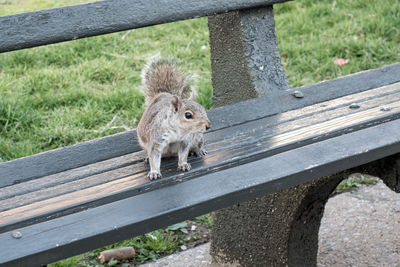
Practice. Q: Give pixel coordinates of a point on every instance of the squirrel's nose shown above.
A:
(208, 125)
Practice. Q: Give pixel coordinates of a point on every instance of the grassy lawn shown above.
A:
(67, 93)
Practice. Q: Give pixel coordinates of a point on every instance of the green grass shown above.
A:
(67, 93)
(150, 246)
(355, 182)
(312, 34)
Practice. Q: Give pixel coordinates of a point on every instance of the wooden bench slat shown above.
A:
(136, 215)
(278, 128)
(74, 22)
(72, 175)
(55, 161)
(245, 143)
(70, 187)
(315, 93)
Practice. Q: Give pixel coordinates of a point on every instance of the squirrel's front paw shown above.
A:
(184, 167)
(153, 175)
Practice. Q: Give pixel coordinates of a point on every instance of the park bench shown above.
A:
(267, 141)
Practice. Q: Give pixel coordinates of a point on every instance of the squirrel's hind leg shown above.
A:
(197, 146)
(201, 152)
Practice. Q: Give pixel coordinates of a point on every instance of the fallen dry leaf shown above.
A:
(340, 61)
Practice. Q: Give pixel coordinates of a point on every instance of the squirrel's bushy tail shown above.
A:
(162, 75)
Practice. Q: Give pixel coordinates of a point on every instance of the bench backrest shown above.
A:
(79, 21)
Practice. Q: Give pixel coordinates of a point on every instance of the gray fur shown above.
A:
(164, 130)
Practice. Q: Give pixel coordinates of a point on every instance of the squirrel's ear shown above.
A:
(176, 102)
(193, 94)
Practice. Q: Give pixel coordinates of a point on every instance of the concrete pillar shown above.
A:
(244, 56)
(279, 229)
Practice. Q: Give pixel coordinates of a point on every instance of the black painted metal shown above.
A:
(73, 234)
(74, 22)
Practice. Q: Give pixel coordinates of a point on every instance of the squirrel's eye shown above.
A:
(188, 115)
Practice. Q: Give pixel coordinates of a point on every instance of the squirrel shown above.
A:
(173, 123)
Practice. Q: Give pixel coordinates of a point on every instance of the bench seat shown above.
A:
(89, 195)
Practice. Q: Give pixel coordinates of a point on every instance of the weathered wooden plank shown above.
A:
(248, 142)
(328, 110)
(74, 22)
(118, 167)
(70, 176)
(264, 106)
(39, 194)
(124, 143)
(66, 158)
(68, 183)
(76, 233)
